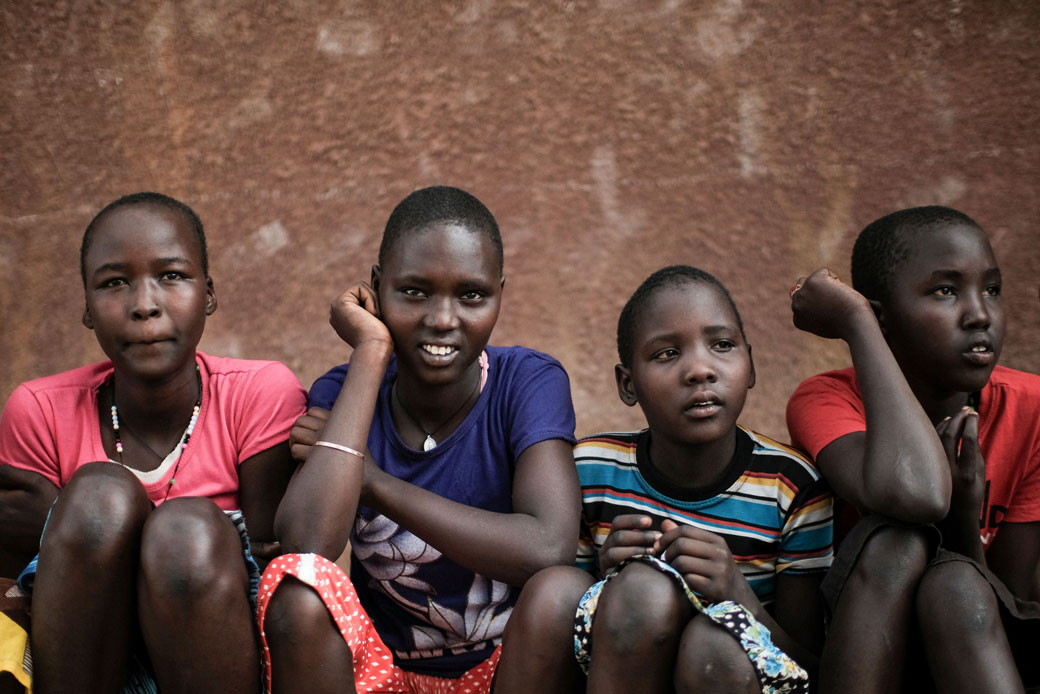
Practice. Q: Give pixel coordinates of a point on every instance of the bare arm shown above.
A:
(1014, 556)
(318, 510)
(898, 466)
(25, 499)
(541, 531)
(262, 481)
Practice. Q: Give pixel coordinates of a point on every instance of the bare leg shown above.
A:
(308, 654)
(964, 638)
(85, 596)
(866, 644)
(193, 601)
(711, 660)
(538, 644)
(639, 620)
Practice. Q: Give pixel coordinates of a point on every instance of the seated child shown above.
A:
(150, 456)
(710, 539)
(924, 429)
(447, 463)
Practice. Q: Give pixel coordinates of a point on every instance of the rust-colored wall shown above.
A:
(750, 138)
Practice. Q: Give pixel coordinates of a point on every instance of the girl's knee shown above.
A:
(549, 600)
(893, 558)
(710, 659)
(954, 599)
(641, 607)
(295, 613)
(98, 514)
(190, 548)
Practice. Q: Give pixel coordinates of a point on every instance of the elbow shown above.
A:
(550, 554)
(924, 504)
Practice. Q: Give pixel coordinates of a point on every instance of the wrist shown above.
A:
(375, 351)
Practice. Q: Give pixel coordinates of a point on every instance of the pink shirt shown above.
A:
(50, 425)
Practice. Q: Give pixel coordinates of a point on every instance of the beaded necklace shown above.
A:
(184, 439)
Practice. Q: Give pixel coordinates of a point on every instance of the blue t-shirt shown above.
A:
(437, 617)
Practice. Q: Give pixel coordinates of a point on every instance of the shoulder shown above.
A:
(777, 458)
(521, 359)
(260, 373)
(66, 386)
(617, 446)
(1014, 384)
(839, 382)
(1012, 396)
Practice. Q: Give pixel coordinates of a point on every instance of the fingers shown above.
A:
(305, 431)
(630, 535)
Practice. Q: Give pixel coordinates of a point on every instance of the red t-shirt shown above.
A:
(50, 425)
(828, 406)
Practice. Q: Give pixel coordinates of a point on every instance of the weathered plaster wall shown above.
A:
(752, 138)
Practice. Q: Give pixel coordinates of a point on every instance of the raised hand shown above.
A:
(355, 317)
(705, 562)
(959, 435)
(824, 305)
(630, 535)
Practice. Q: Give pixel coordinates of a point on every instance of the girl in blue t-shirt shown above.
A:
(446, 462)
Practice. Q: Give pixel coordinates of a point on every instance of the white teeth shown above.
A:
(438, 350)
(978, 348)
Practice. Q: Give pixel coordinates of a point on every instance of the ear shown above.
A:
(751, 360)
(377, 273)
(879, 313)
(625, 391)
(211, 297)
(88, 322)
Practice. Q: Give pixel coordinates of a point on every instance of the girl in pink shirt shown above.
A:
(140, 578)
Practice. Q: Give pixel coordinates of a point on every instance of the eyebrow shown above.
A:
(119, 267)
(708, 330)
(957, 274)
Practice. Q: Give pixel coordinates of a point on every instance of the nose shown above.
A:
(976, 314)
(699, 367)
(443, 315)
(144, 301)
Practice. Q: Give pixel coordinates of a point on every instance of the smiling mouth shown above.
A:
(438, 350)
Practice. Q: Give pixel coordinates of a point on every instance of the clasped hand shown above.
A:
(702, 557)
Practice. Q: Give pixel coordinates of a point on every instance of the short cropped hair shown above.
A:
(885, 243)
(671, 276)
(146, 198)
(440, 205)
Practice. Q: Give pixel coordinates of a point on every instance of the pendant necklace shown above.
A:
(430, 443)
(183, 443)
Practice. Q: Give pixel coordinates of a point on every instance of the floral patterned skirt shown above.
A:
(777, 672)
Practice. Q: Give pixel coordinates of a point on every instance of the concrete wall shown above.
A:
(753, 139)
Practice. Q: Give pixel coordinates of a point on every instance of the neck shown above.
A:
(157, 405)
(938, 405)
(688, 465)
(428, 404)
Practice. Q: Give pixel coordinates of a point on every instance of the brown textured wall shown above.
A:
(610, 138)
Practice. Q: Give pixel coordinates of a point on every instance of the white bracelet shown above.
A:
(338, 447)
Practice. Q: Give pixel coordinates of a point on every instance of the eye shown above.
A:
(723, 345)
(112, 282)
(665, 354)
(171, 275)
(413, 292)
(944, 290)
(992, 290)
(472, 296)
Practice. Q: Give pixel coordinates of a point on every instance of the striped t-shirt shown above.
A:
(770, 505)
